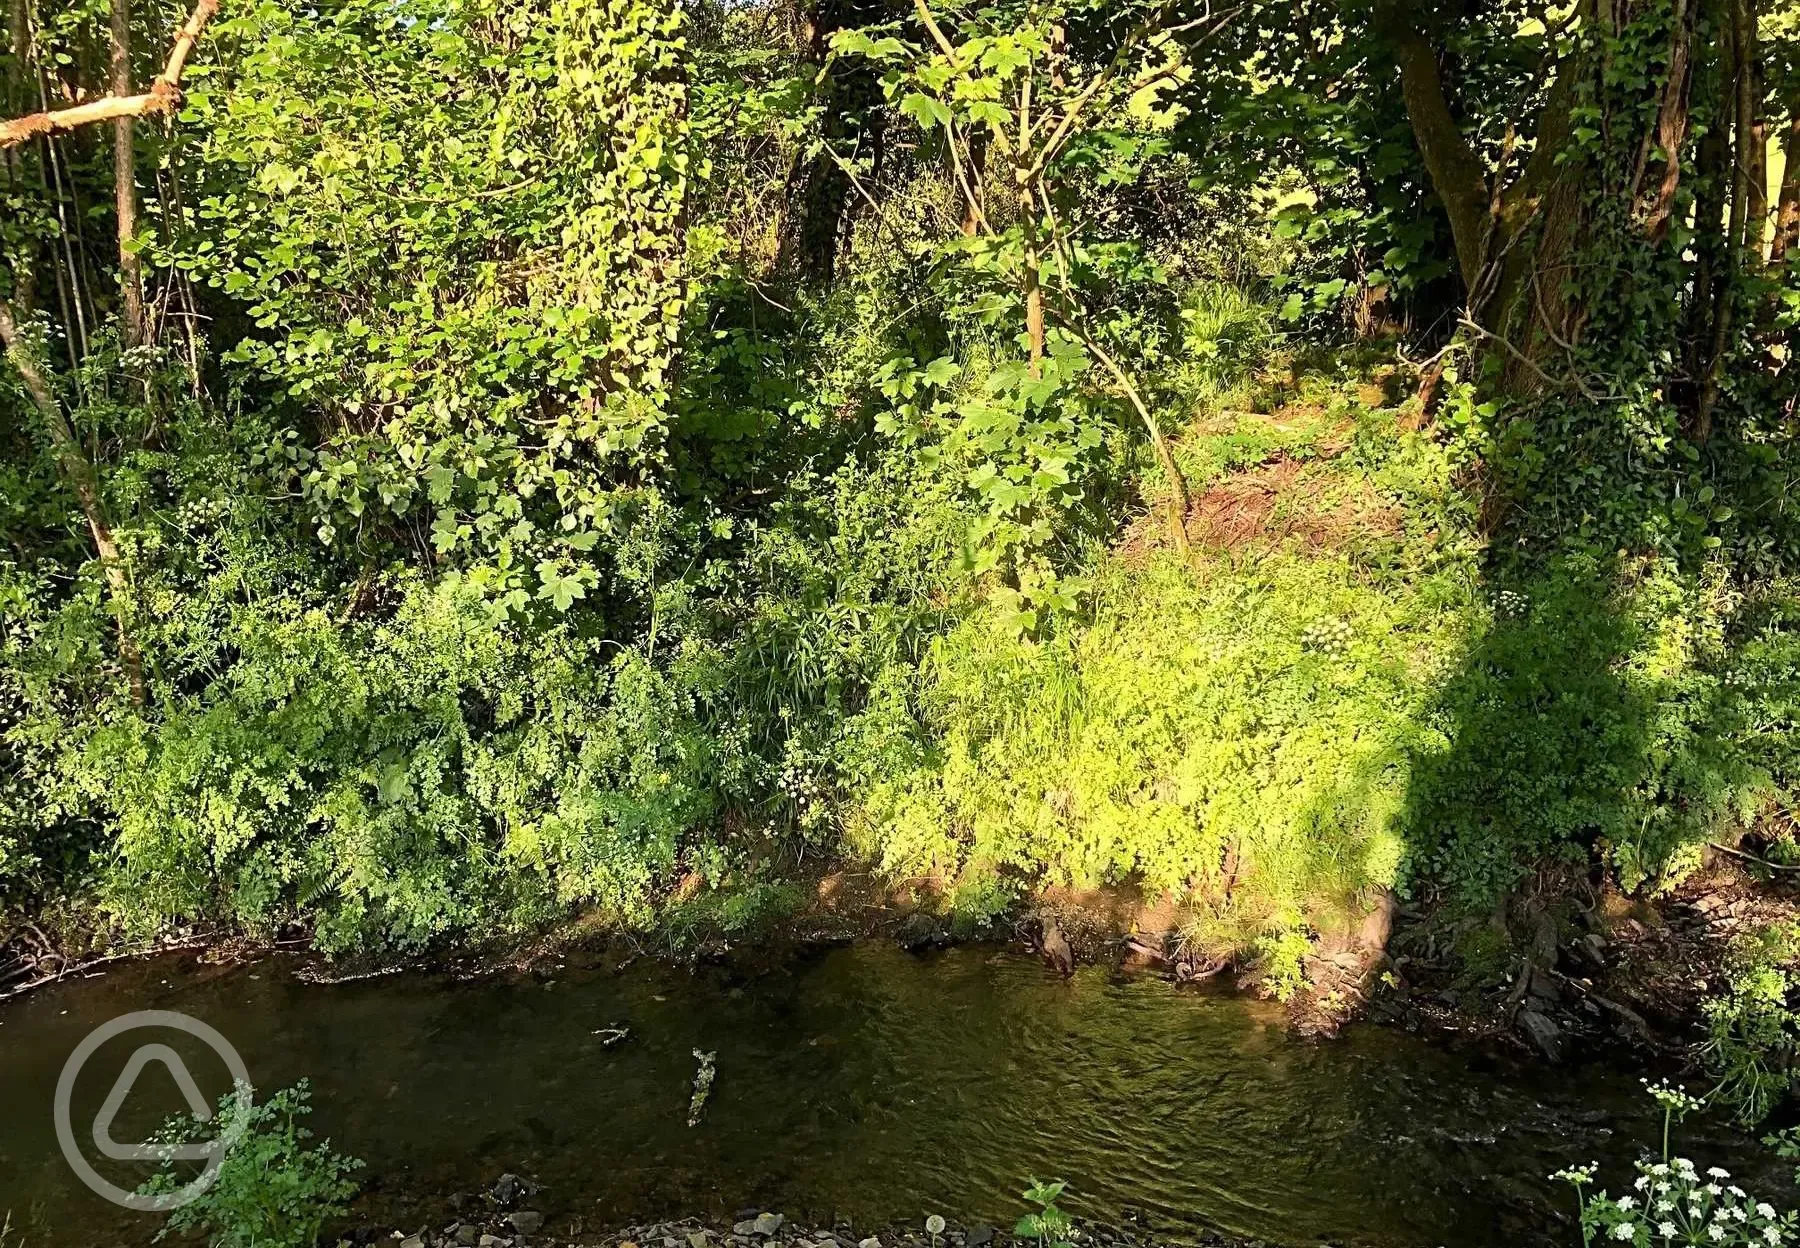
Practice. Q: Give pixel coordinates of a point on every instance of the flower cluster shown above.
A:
(1510, 604)
(1329, 636)
(198, 513)
(802, 786)
(1676, 1204)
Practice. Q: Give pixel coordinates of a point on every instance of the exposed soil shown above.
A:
(1568, 965)
(1262, 508)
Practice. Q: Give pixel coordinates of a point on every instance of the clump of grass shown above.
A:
(1226, 334)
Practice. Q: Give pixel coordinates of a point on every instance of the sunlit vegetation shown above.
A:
(475, 464)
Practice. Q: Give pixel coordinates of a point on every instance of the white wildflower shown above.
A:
(1764, 1209)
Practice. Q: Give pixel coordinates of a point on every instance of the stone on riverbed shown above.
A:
(1538, 1028)
(527, 1221)
(766, 1223)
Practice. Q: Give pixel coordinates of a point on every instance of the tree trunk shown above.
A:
(131, 280)
(1457, 174)
(820, 205)
(1735, 255)
(1672, 122)
(1031, 281)
(86, 484)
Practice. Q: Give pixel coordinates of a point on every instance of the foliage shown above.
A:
(1600, 707)
(272, 1190)
(1753, 1033)
(485, 394)
(1048, 1224)
(623, 457)
(1673, 1203)
(1243, 737)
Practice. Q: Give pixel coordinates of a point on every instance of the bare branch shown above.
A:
(163, 97)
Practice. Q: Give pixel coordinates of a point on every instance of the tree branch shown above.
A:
(86, 484)
(163, 97)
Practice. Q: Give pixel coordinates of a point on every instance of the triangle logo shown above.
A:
(115, 1100)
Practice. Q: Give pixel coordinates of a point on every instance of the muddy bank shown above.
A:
(1565, 966)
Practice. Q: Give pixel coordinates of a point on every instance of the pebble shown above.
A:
(759, 1230)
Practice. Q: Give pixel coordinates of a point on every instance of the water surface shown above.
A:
(860, 1082)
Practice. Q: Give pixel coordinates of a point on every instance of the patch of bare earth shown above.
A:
(1280, 501)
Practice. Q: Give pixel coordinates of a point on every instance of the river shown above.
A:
(859, 1081)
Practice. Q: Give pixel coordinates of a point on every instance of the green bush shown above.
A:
(1752, 1029)
(1601, 707)
(1200, 733)
(272, 1190)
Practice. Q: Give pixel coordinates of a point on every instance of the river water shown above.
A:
(860, 1082)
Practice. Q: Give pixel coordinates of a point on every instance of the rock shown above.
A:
(746, 1227)
(494, 1241)
(766, 1223)
(467, 1236)
(413, 1241)
(980, 1235)
(507, 1189)
(1056, 946)
(870, 1242)
(697, 1240)
(527, 1221)
(1543, 1033)
(921, 931)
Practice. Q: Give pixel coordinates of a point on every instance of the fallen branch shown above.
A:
(163, 97)
(1749, 857)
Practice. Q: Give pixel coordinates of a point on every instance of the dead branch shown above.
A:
(163, 97)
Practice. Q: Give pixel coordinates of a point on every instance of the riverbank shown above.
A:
(1565, 966)
(502, 1218)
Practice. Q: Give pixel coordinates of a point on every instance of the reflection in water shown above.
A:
(862, 1082)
